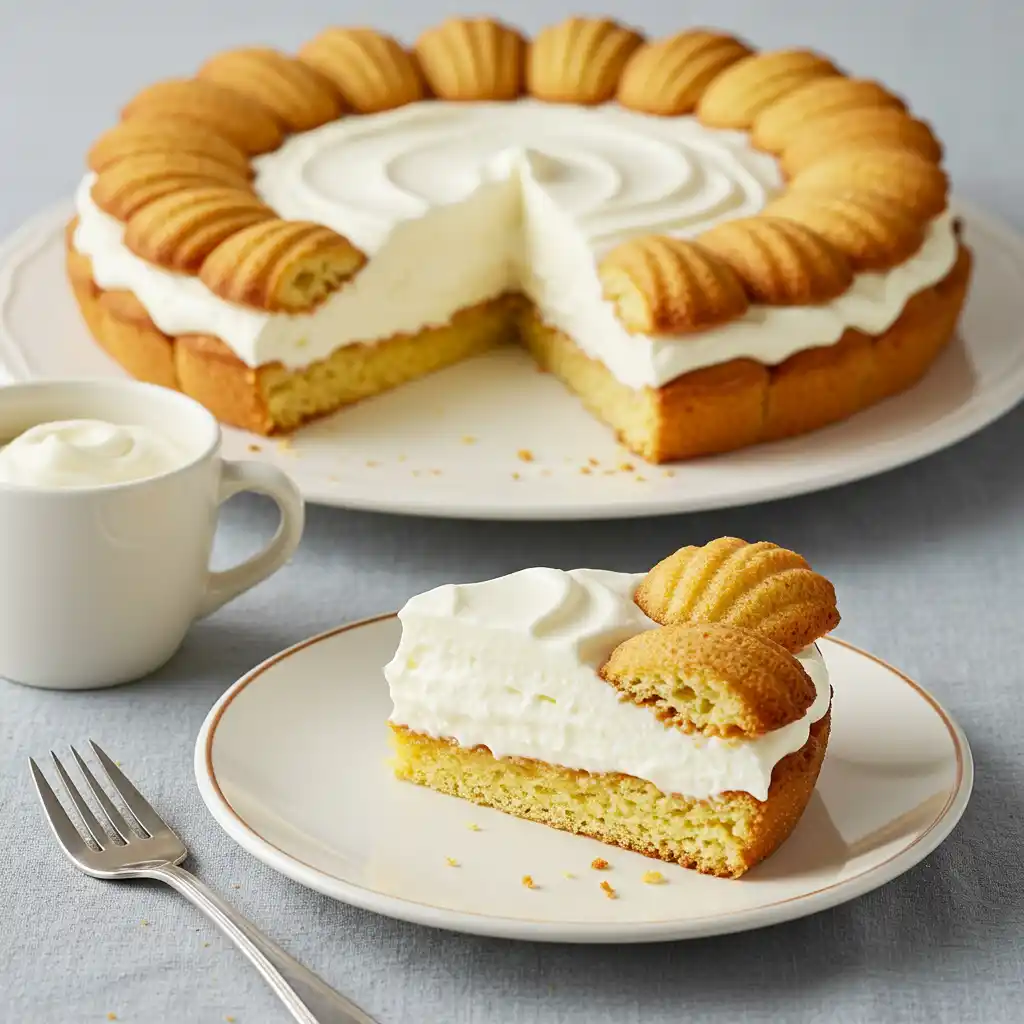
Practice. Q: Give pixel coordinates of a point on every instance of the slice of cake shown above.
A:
(683, 714)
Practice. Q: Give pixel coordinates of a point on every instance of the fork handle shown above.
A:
(309, 998)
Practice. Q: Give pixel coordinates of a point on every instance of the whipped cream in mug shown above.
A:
(86, 453)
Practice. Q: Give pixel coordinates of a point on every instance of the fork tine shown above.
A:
(140, 807)
(92, 826)
(63, 827)
(110, 811)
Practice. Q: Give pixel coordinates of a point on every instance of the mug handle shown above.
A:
(236, 477)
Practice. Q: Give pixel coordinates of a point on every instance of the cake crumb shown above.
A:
(516, 476)
(255, 448)
(627, 467)
(451, 862)
(372, 463)
(568, 874)
(415, 472)
(206, 945)
(586, 470)
(468, 439)
(229, 1019)
(402, 458)
(524, 455)
(435, 472)
(600, 864)
(473, 826)
(652, 878)
(111, 1016)
(668, 472)
(528, 882)
(640, 479)
(145, 923)
(609, 891)
(285, 444)
(593, 461)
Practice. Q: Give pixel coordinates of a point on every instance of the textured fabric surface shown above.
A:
(928, 562)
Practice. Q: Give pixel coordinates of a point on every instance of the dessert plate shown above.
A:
(292, 762)
(494, 439)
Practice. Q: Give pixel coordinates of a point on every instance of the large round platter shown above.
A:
(495, 439)
(292, 763)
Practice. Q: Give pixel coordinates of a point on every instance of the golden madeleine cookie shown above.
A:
(779, 123)
(899, 176)
(780, 262)
(243, 121)
(180, 230)
(165, 134)
(129, 184)
(579, 60)
(761, 587)
(663, 285)
(872, 232)
(296, 94)
(668, 76)
(281, 265)
(711, 678)
(736, 97)
(370, 69)
(472, 59)
(878, 128)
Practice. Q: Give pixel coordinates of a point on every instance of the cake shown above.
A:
(683, 714)
(710, 246)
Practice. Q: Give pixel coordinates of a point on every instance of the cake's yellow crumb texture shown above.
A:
(725, 836)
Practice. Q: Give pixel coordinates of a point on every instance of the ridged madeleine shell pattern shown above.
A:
(861, 129)
(899, 176)
(281, 265)
(126, 186)
(712, 679)
(180, 230)
(872, 233)
(778, 124)
(739, 94)
(668, 76)
(370, 69)
(579, 60)
(165, 134)
(243, 121)
(298, 96)
(472, 59)
(780, 262)
(663, 285)
(761, 587)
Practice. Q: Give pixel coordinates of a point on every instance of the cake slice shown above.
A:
(551, 695)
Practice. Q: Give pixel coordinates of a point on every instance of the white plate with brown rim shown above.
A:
(456, 443)
(292, 763)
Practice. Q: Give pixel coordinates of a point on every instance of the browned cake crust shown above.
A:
(725, 836)
(711, 410)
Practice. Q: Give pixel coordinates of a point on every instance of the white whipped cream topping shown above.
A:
(458, 202)
(511, 664)
(86, 453)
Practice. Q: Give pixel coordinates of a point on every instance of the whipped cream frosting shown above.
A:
(456, 203)
(86, 453)
(512, 663)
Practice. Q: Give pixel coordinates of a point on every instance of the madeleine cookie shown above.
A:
(472, 59)
(760, 587)
(712, 679)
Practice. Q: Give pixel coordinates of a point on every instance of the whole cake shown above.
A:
(683, 713)
(709, 245)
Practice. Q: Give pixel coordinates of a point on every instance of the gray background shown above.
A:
(928, 561)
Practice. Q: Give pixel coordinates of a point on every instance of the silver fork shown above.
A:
(144, 846)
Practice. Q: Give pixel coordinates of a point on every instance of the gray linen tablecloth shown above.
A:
(928, 560)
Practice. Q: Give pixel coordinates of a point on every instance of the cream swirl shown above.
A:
(86, 453)
(511, 664)
(615, 173)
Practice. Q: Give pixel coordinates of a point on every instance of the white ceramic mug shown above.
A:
(98, 585)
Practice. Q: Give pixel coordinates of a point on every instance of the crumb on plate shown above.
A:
(528, 882)
(652, 878)
(600, 864)
(609, 891)
(451, 862)
(472, 826)
(524, 455)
